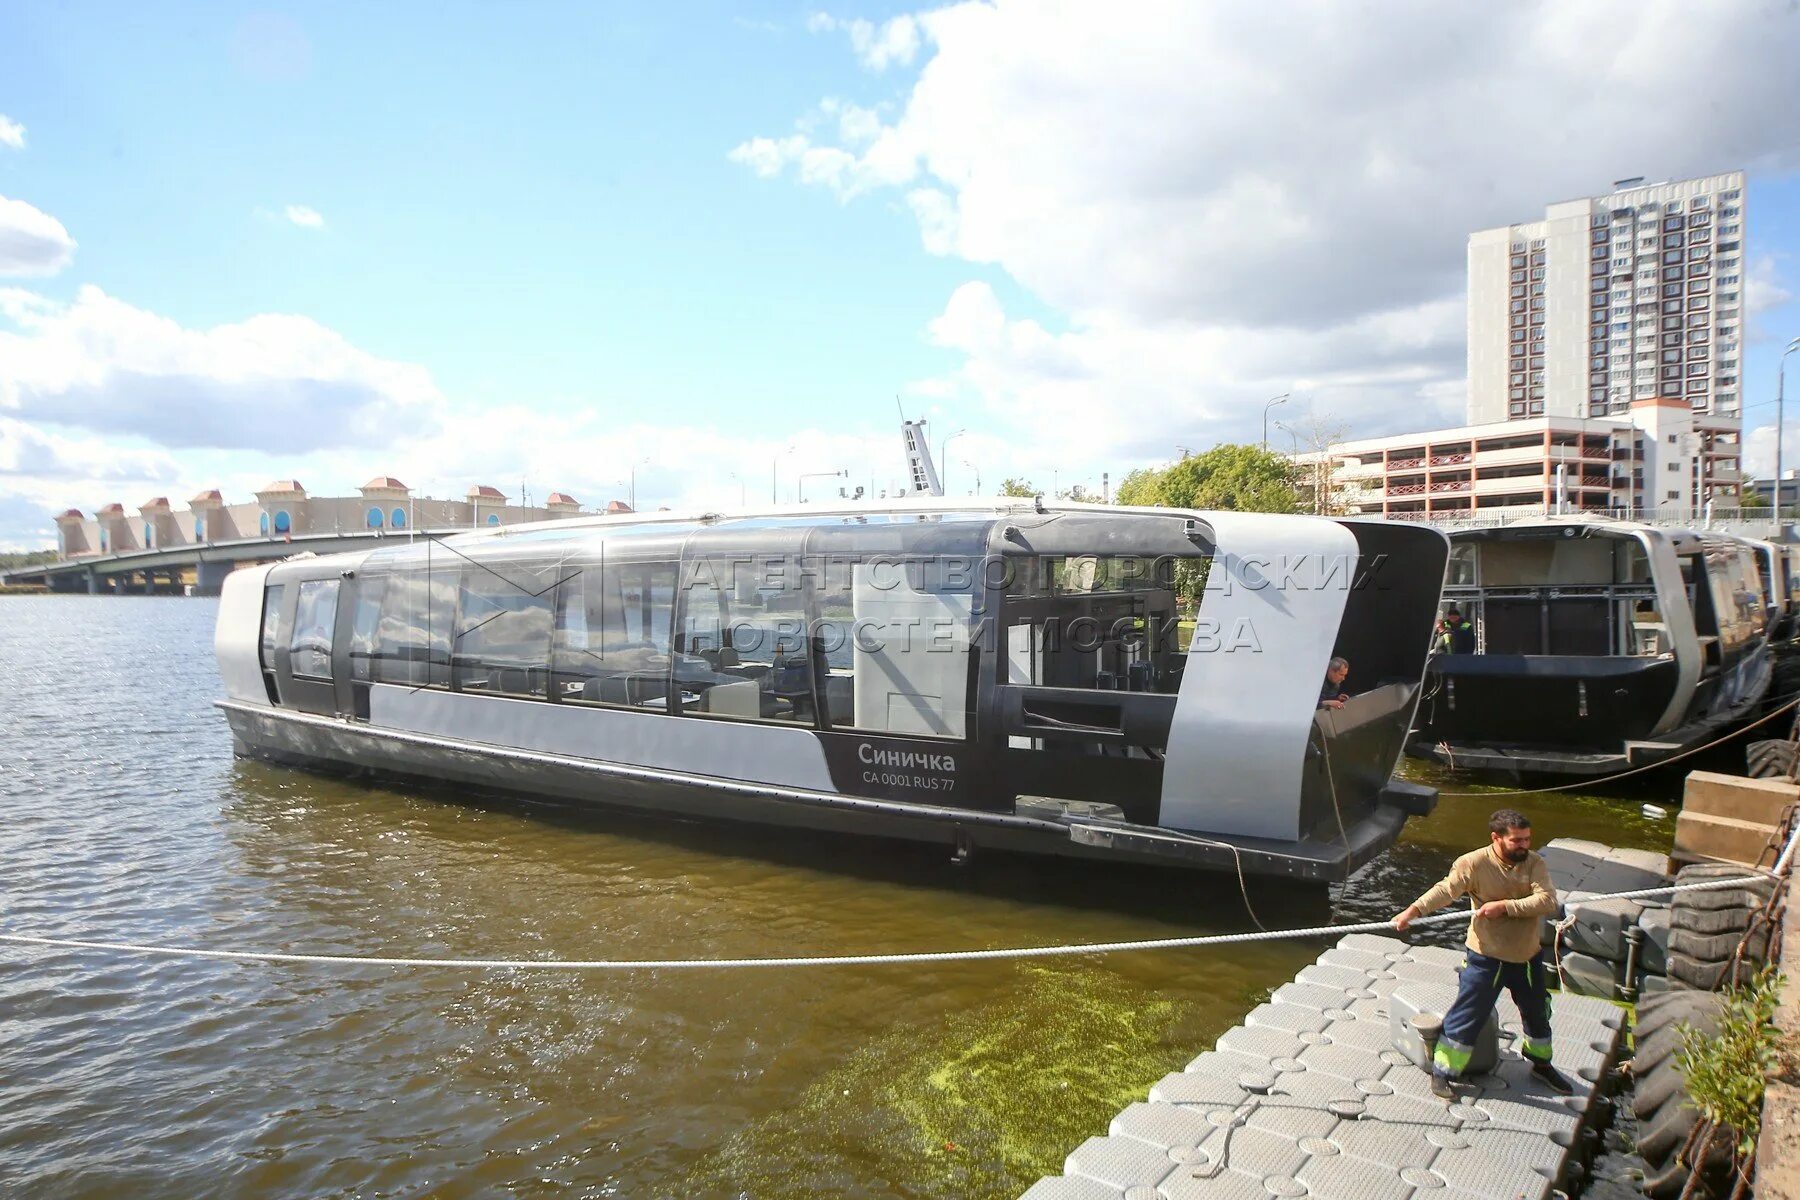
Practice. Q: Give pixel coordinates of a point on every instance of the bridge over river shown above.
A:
(197, 569)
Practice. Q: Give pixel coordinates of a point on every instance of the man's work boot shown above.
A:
(1552, 1078)
(1440, 1087)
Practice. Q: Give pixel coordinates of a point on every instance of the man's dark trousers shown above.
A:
(1482, 979)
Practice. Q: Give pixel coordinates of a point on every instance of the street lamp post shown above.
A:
(1294, 457)
(1780, 389)
(1281, 399)
(800, 492)
(1293, 437)
(634, 466)
(944, 460)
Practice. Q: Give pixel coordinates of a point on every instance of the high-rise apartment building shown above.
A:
(1610, 302)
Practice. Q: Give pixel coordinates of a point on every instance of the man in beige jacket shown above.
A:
(1512, 894)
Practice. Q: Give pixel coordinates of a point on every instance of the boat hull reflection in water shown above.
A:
(1097, 682)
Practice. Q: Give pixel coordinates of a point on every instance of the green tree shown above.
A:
(1140, 487)
(1232, 477)
(1018, 487)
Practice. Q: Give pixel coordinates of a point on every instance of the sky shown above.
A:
(706, 253)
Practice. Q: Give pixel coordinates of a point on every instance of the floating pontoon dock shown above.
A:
(1309, 1098)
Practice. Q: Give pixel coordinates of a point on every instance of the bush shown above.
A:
(1726, 1071)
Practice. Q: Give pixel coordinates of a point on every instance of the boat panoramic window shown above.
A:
(610, 635)
(1110, 622)
(271, 619)
(1737, 601)
(743, 650)
(502, 644)
(1558, 595)
(369, 590)
(412, 641)
(893, 639)
(1464, 563)
(315, 623)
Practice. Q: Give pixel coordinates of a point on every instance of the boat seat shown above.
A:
(514, 681)
(740, 699)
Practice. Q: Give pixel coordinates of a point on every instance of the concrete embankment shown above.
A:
(1778, 1150)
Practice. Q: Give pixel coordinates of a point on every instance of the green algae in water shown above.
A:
(980, 1105)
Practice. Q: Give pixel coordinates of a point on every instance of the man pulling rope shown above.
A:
(1512, 893)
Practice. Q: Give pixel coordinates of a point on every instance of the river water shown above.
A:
(126, 818)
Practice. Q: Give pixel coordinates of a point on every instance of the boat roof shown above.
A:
(938, 509)
(1682, 538)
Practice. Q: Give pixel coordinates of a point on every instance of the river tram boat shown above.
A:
(1778, 565)
(1094, 681)
(1601, 645)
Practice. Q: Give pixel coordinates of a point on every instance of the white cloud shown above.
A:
(1112, 390)
(11, 133)
(306, 218)
(936, 214)
(1272, 199)
(32, 242)
(877, 47)
(1764, 289)
(34, 454)
(272, 381)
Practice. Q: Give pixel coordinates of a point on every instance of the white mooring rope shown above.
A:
(828, 960)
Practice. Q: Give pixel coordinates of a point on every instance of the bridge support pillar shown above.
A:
(93, 582)
(209, 577)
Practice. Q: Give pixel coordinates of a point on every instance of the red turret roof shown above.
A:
(209, 494)
(69, 514)
(618, 506)
(483, 492)
(385, 482)
(559, 499)
(112, 510)
(282, 485)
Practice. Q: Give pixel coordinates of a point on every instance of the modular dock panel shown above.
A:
(1308, 1098)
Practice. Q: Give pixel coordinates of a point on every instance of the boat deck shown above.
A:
(1308, 1097)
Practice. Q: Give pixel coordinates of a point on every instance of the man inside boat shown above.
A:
(1456, 633)
(1332, 695)
(1512, 894)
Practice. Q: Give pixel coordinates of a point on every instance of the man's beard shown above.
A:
(1515, 856)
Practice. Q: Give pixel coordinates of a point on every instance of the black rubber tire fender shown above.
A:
(1667, 1181)
(1706, 922)
(1660, 1047)
(1664, 1009)
(1720, 947)
(1772, 758)
(1659, 1087)
(1695, 975)
(1747, 895)
(1660, 1137)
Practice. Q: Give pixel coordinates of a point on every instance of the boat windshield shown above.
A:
(1558, 592)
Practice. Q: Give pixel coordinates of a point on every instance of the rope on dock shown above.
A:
(1658, 764)
(832, 960)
